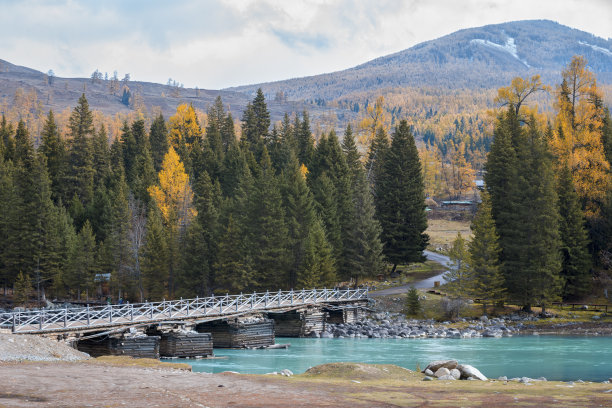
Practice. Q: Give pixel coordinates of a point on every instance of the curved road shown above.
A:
(423, 284)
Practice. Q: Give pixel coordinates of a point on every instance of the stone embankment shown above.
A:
(35, 348)
(383, 326)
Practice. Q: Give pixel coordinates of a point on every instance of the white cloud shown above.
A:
(215, 44)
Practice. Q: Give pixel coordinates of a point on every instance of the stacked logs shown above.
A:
(298, 323)
(186, 344)
(133, 346)
(239, 334)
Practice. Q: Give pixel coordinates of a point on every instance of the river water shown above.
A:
(558, 358)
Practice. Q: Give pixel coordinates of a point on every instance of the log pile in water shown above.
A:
(239, 333)
(298, 323)
(134, 346)
(186, 344)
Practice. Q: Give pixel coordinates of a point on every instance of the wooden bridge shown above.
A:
(109, 316)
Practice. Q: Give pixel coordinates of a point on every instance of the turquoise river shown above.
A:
(554, 357)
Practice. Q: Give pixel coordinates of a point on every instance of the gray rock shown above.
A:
(455, 373)
(503, 378)
(327, 335)
(469, 371)
(447, 377)
(435, 365)
(596, 317)
(429, 372)
(427, 378)
(286, 372)
(441, 372)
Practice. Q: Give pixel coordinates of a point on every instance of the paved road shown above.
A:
(424, 284)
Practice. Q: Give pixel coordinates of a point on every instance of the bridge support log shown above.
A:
(239, 334)
(137, 346)
(186, 344)
(298, 323)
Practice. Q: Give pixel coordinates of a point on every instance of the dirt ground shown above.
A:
(95, 384)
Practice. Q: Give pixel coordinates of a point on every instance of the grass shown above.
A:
(443, 232)
(126, 361)
(389, 384)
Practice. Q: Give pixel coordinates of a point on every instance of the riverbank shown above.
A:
(90, 383)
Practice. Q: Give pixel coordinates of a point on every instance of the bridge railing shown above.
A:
(49, 320)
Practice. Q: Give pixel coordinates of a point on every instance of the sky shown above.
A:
(214, 44)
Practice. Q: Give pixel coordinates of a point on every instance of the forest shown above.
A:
(201, 203)
(178, 210)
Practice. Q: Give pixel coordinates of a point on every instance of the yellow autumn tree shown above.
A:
(517, 93)
(577, 137)
(173, 195)
(373, 118)
(431, 166)
(184, 127)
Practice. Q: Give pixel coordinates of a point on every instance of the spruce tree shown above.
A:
(159, 141)
(234, 266)
(458, 276)
(487, 280)
(576, 261)
(376, 155)
(413, 305)
(400, 200)
(154, 257)
(304, 139)
(82, 265)
(6, 140)
(53, 148)
(319, 269)
(80, 174)
(101, 156)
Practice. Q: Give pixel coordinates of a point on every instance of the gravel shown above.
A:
(22, 347)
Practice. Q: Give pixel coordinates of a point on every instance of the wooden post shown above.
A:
(40, 320)
(291, 294)
(131, 313)
(14, 321)
(110, 313)
(65, 316)
(279, 297)
(88, 321)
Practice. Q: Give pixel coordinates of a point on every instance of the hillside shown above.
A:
(474, 58)
(60, 93)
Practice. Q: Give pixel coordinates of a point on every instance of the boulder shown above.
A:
(447, 377)
(441, 372)
(455, 373)
(286, 372)
(503, 378)
(427, 378)
(429, 372)
(469, 371)
(435, 365)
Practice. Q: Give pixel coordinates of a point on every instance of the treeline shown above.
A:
(544, 229)
(180, 211)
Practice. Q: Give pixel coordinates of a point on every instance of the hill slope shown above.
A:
(482, 57)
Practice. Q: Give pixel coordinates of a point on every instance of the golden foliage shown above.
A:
(577, 136)
(373, 118)
(517, 93)
(184, 126)
(303, 170)
(173, 196)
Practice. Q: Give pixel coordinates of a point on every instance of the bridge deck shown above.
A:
(87, 318)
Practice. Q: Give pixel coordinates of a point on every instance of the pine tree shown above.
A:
(576, 261)
(304, 139)
(154, 258)
(413, 305)
(82, 266)
(101, 157)
(8, 221)
(319, 267)
(376, 155)
(53, 148)
(7, 142)
(487, 280)
(400, 200)
(159, 141)
(234, 169)
(233, 265)
(267, 229)
(80, 174)
(23, 289)
(458, 274)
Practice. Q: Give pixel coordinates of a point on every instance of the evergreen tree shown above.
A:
(23, 289)
(7, 142)
(319, 263)
(376, 155)
(154, 257)
(80, 174)
(458, 275)
(228, 134)
(159, 141)
(82, 266)
(413, 305)
(8, 221)
(256, 123)
(400, 200)
(576, 261)
(101, 157)
(300, 215)
(234, 169)
(233, 265)
(267, 229)
(304, 139)
(53, 148)
(487, 280)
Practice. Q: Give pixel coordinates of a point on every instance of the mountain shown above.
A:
(60, 93)
(483, 57)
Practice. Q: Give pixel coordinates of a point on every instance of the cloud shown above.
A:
(220, 43)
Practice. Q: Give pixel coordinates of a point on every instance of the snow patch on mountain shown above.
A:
(596, 48)
(509, 47)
